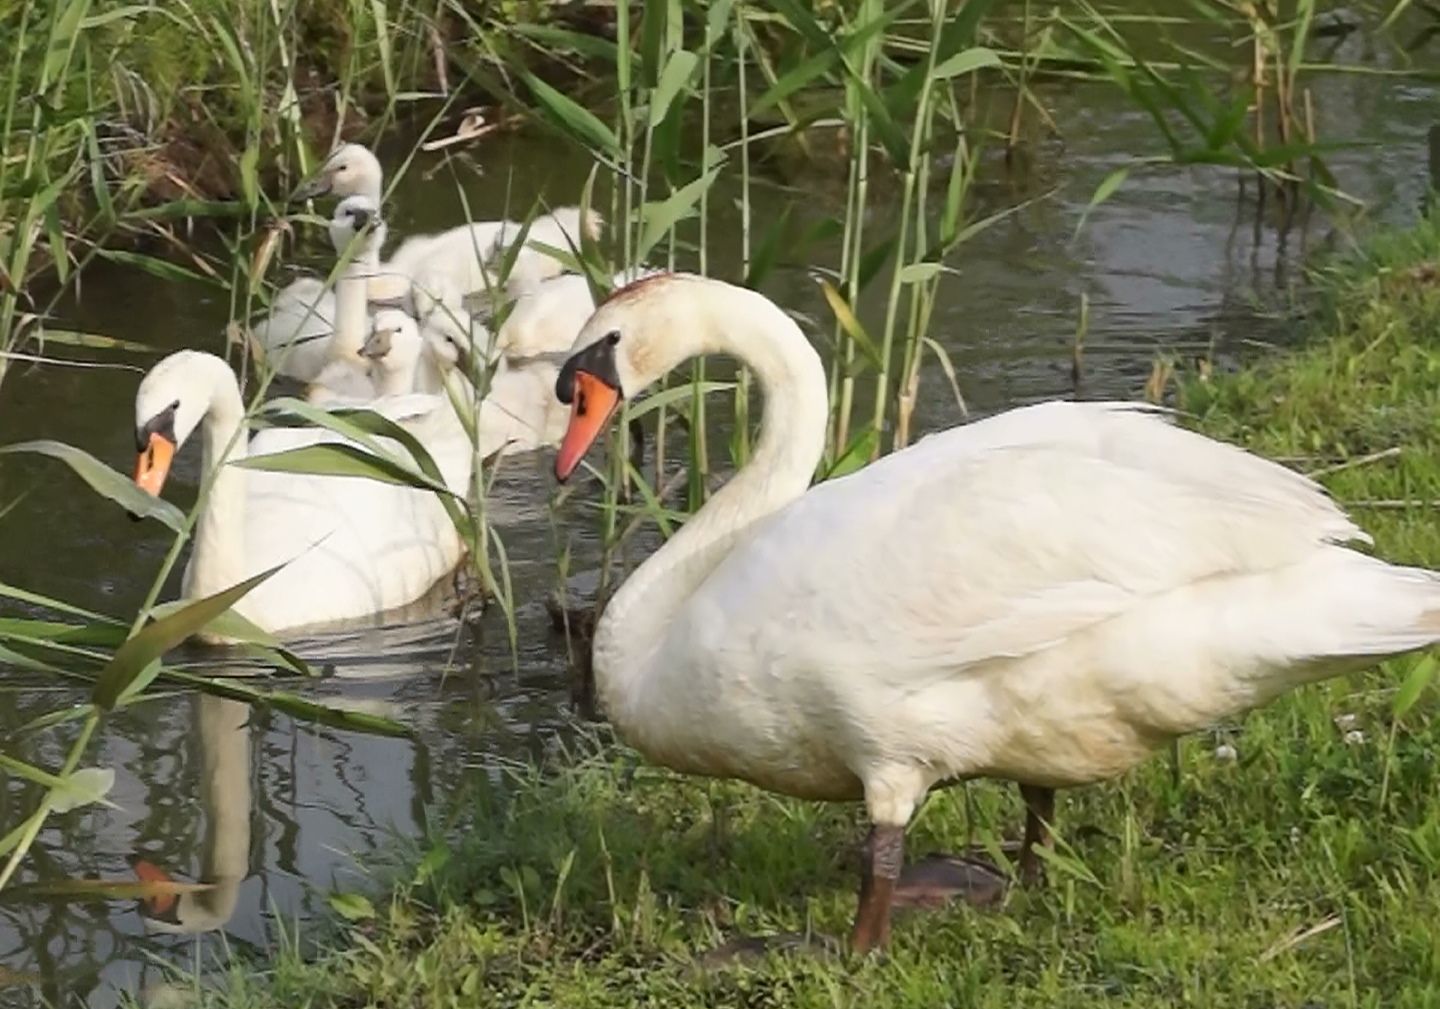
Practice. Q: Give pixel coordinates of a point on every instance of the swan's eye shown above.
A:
(175, 405)
(612, 337)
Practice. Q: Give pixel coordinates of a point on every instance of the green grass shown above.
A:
(595, 883)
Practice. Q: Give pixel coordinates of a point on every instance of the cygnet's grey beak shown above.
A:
(361, 218)
(317, 185)
(377, 344)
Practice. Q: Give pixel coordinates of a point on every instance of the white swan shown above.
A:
(466, 260)
(296, 333)
(404, 360)
(1045, 596)
(465, 255)
(354, 546)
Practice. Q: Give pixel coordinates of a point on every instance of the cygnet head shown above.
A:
(357, 217)
(394, 343)
(350, 170)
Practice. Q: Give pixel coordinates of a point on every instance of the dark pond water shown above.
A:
(277, 813)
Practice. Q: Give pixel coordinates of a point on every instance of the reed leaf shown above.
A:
(137, 662)
(1415, 683)
(656, 219)
(1107, 188)
(573, 119)
(161, 268)
(850, 322)
(294, 705)
(104, 480)
(966, 62)
(340, 459)
(679, 68)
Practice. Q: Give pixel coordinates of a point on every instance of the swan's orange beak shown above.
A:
(152, 465)
(593, 401)
(149, 872)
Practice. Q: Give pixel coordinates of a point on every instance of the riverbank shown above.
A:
(1292, 859)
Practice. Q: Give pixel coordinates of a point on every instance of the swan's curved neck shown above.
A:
(352, 309)
(792, 437)
(218, 560)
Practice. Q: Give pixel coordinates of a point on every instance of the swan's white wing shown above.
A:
(459, 255)
(295, 331)
(520, 412)
(1045, 595)
(1001, 538)
(547, 318)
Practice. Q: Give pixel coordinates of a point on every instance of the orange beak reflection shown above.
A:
(152, 465)
(592, 404)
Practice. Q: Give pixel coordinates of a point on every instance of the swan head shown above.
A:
(635, 336)
(450, 339)
(357, 218)
(172, 400)
(350, 170)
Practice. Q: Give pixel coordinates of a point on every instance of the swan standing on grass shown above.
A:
(354, 546)
(1046, 596)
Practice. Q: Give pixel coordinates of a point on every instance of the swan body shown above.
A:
(296, 328)
(465, 254)
(404, 360)
(352, 547)
(546, 318)
(465, 259)
(519, 412)
(1045, 596)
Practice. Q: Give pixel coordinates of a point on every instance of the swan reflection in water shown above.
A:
(223, 728)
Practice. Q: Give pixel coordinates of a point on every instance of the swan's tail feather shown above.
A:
(1387, 610)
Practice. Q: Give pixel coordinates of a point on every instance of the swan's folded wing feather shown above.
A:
(999, 539)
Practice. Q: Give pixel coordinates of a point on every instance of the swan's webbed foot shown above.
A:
(936, 880)
(577, 622)
(747, 950)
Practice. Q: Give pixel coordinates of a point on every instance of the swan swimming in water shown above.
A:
(464, 258)
(1045, 596)
(297, 332)
(352, 547)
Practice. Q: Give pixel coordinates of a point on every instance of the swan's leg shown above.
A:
(881, 862)
(1039, 814)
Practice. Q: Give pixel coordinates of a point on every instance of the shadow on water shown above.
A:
(273, 813)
